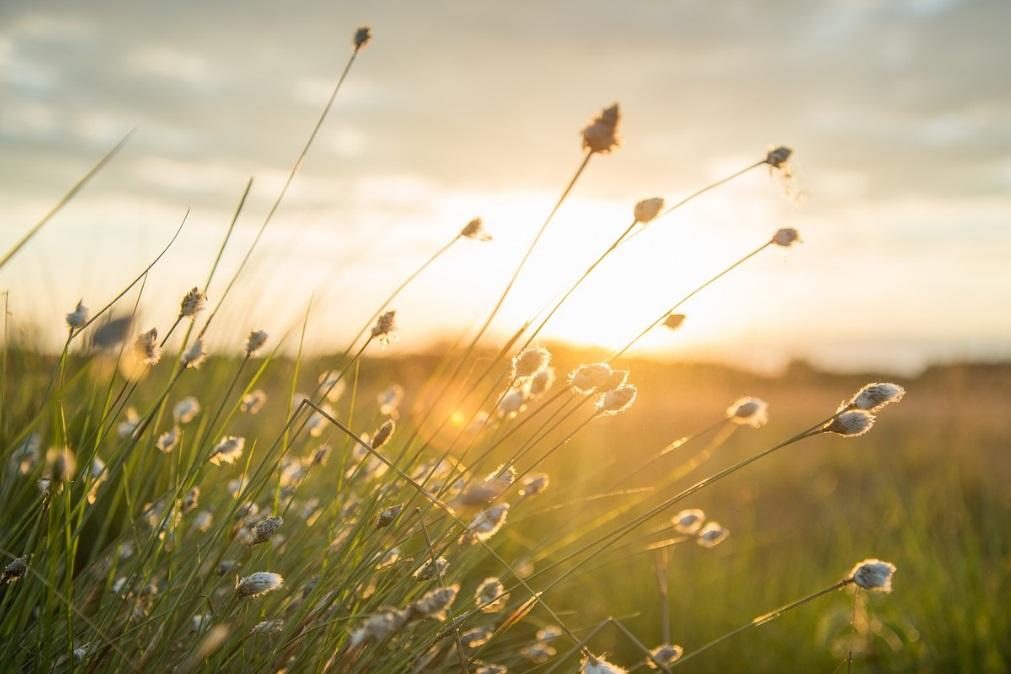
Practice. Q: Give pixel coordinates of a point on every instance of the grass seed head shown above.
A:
(255, 341)
(598, 665)
(673, 321)
(617, 400)
(265, 529)
(664, 654)
(786, 237)
(436, 603)
(475, 230)
(362, 37)
(873, 575)
(186, 410)
(14, 570)
(873, 397)
(488, 522)
(541, 382)
(647, 209)
(193, 303)
(78, 317)
(752, 412)
(384, 434)
(586, 379)
(778, 156)
(711, 535)
(534, 484)
(490, 596)
(601, 136)
(689, 521)
(851, 423)
(530, 361)
(259, 583)
(385, 326)
(195, 355)
(228, 450)
(538, 652)
(146, 347)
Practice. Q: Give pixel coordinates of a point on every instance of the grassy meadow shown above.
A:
(491, 505)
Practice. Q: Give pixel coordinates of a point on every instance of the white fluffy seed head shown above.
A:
(586, 378)
(490, 596)
(665, 655)
(168, 440)
(534, 484)
(513, 402)
(193, 303)
(147, 348)
(265, 529)
(195, 355)
(786, 237)
(851, 423)
(752, 412)
(255, 341)
(873, 575)
(186, 410)
(435, 603)
(541, 382)
(711, 535)
(530, 361)
(253, 402)
(78, 317)
(383, 624)
(488, 522)
(647, 209)
(259, 583)
(689, 521)
(601, 136)
(873, 397)
(228, 450)
(617, 400)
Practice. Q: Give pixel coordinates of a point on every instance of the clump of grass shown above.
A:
(195, 512)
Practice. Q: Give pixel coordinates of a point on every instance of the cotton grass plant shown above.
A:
(143, 529)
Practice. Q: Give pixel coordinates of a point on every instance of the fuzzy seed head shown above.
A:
(530, 361)
(488, 522)
(513, 402)
(387, 515)
(146, 347)
(228, 450)
(476, 637)
(195, 355)
(431, 569)
(538, 652)
(385, 325)
(665, 655)
(586, 379)
(777, 157)
(674, 321)
(253, 402)
(534, 484)
(617, 400)
(381, 626)
(689, 521)
(601, 136)
(873, 575)
(389, 399)
(331, 385)
(491, 596)
(168, 440)
(186, 410)
(435, 603)
(14, 570)
(62, 464)
(752, 412)
(192, 500)
(255, 341)
(362, 37)
(265, 529)
(475, 230)
(711, 535)
(384, 434)
(786, 237)
(647, 209)
(873, 397)
(541, 382)
(259, 583)
(851, 423)
(78, 317)
(193, 303)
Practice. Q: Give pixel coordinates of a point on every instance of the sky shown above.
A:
(899, 113)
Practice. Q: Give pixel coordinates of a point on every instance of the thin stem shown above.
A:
(763, 619)
(65, 200)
